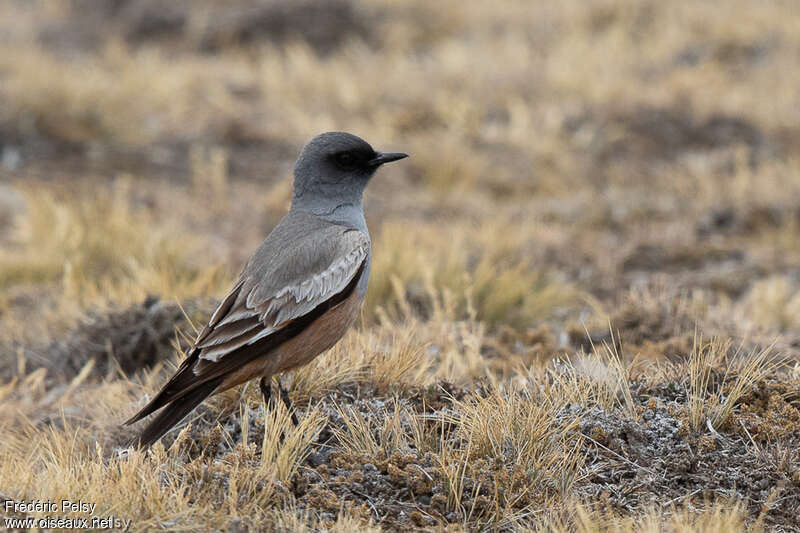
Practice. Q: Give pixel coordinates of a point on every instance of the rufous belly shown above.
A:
(318, 337)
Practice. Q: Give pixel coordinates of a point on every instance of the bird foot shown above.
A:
(265, 384)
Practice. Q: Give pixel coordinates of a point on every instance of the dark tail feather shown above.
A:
(174, 413)
(181, 383)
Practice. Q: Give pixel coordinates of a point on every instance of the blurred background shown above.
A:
(570, 162)
(576, 167)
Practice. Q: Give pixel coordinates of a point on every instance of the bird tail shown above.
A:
(174, 412)
(179, 385)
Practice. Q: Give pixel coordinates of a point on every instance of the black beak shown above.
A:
(381, 158)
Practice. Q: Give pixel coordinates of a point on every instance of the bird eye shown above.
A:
(345, 159)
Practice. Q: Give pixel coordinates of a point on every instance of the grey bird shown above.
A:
(298, 293)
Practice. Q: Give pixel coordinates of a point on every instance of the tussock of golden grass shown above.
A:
(286, 446)
(405, 351)
(388, 358)
(359, 437)
(511, 445)
(717, 519)
(526, 432)
(101, 248)
(477, 267)
(61, 463)
(112, 97)
(709, 402)
(773, 304)
(94, 251)
(453, 344)
(209, 173)
(305, 522)
(600, 378)
(160, 487)
(449, 169)
(453, 465)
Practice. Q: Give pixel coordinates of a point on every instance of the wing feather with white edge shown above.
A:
(256, 308)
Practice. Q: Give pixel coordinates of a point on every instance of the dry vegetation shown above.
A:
(585, 306)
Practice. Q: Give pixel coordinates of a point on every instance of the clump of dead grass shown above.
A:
(523, 431)
(601, 378)
(100, 248)
(773, 304)
(292, 519)
(475, 267)
(118, 97)
(712, 398)
(159, 487)
(717, 518)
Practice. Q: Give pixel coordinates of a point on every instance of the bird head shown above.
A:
(337, 164)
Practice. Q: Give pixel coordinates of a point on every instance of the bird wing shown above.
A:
(304, 267)
(280, 285)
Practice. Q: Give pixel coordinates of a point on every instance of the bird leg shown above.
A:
(265, 384)
(288, 403)
(266, 389)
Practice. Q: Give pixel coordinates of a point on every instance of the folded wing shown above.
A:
(257, 308)
(289, 281)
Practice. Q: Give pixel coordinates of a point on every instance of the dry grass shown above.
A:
(594, 188)
(708, 402)
(717, 519)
